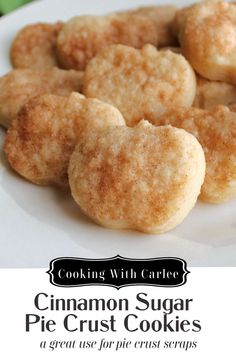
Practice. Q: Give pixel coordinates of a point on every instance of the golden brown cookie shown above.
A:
(35, 46)
(208, 41)
(39, 143)
(19, 85)
(216, 131)
(144, 178)
(140, 83)
(83, 37)
(163, 17)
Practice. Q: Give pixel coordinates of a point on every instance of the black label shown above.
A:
(118, 271)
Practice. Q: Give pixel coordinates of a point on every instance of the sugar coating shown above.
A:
(216, 131)
(39, 143)
(19, 85)
(142, 84)
(35, 46)
(82, 37)
(208, 41)
(144, 178)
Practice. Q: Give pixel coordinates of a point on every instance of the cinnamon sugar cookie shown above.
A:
(35, 46)
(83, 37)
(144, 178)
(208, 41)
(163, 17)
(39, 143)
(216, 131)
(140, 83)
(19, 85)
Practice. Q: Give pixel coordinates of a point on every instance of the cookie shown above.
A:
(163, 17)
(216, 131)
(144, 178)
(208, 41)
(142, 84)
(83, 37)
(19, 85)
(35, 46)
(39, 143)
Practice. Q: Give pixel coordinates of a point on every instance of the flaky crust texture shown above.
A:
(208, 41)
(20, 85)
(39, 143)
(141, 178)
(142, 84)
(216, 132)
(213, 93)
(35, 46)
(163, 17)
(83, 37)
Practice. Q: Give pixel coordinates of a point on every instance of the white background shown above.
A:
(212, 289)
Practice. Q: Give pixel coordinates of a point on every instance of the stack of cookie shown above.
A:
(134, 111)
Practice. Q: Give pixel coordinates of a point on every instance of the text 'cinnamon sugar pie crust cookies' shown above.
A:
(216, 131)
(40, 141)
(20, 85)
(35, 46)
(82, 37)
(143, 83)
(144, 178)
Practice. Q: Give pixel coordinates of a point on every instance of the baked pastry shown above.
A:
(82, 37)
(35, 46)
(216, 131)
(163, 17)
(208, 41)
(140, 83)
(39, 143)
(19, 85)
(144, 178)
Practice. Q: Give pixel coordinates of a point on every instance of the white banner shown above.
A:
(198, 317)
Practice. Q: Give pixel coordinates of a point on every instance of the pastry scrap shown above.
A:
(144, 178)
(163, 17)
(216, 131)
(213, 93)
(39, 143)
(83, 37)
(19, 85)
(35, 46)
(208, 41)
(140, 83)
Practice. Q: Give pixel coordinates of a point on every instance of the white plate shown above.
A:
(38, 223)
